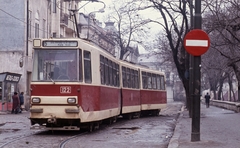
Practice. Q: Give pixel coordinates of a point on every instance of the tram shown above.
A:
(76, 84)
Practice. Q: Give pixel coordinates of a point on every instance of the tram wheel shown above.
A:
(90, 128)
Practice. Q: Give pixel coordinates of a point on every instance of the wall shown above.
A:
(12, 25)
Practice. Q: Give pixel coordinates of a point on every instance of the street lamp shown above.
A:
(89, 15)
(101, 11)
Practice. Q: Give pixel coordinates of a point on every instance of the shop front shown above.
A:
(8, 85)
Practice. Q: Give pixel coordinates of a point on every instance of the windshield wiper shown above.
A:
(51, 79)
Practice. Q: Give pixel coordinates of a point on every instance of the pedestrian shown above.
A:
(207, 100)
(16, 103)
(21, 98)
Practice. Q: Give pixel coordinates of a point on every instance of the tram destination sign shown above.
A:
(60, 44)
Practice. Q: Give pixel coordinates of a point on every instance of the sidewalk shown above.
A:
(219, 128)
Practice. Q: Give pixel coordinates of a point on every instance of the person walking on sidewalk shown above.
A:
(207, 100)
(21, 98)
(16, 103)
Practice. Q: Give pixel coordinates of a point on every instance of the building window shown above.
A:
(54, 35)
(44, 29)
(36, 30)
(29, 24)
(36, 26)
(54, 6)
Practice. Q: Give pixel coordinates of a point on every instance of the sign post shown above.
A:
(196, 43)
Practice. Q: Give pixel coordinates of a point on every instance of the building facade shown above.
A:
(21, 22)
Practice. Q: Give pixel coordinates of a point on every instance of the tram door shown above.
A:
(8, 85)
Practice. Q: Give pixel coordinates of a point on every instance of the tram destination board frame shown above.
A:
(60, 43)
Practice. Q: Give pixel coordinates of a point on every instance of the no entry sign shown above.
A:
(196, 42)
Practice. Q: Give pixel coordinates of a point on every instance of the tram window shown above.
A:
(124, 78)
(162, 83)
(132, 79)
(48, 65)
(80, 66)
(102, 69)
(136, 79)
(154, 85)
(87, 67)
(106, 72)
(158, 82)
(144, 80)
(110, 72)
(149, 75)
(114, 65)
(117, 74)
(128, 78)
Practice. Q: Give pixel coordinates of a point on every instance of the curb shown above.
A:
(174, 143)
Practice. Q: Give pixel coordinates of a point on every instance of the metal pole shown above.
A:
(191, 65)
(76, 24)
(27, 29)
(195, 136)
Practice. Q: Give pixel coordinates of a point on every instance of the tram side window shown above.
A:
(149, 75)
(87, 67)
(124, 78)
(128, 78)
(158, 82)
(162, 83)
(133, 79)
(114, 65)
(136, 77)
(102, 69)
(144, 80)
(80, 66)
(117, 74)
(110, 72)
(154, 85)
(106, 72)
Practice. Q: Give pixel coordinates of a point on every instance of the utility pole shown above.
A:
(195, 135)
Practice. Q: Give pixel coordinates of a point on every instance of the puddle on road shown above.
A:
(8, 130)
(127, 128)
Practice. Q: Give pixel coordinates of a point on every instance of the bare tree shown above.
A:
(131, 26)
(223, 25)
(176, 23)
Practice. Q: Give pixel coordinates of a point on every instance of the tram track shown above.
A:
(18, 139)
(64, 142)
(102, 128)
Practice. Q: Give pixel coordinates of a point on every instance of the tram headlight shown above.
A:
(71, 100)
(36, 100)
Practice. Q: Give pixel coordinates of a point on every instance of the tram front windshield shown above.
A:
(55, 65)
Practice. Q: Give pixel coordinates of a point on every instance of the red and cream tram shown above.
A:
(76, 84)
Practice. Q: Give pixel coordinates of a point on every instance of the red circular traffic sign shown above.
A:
(196, 42)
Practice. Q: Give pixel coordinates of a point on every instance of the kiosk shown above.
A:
(8, 85)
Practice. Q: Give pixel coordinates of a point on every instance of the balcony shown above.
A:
(64, 20)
